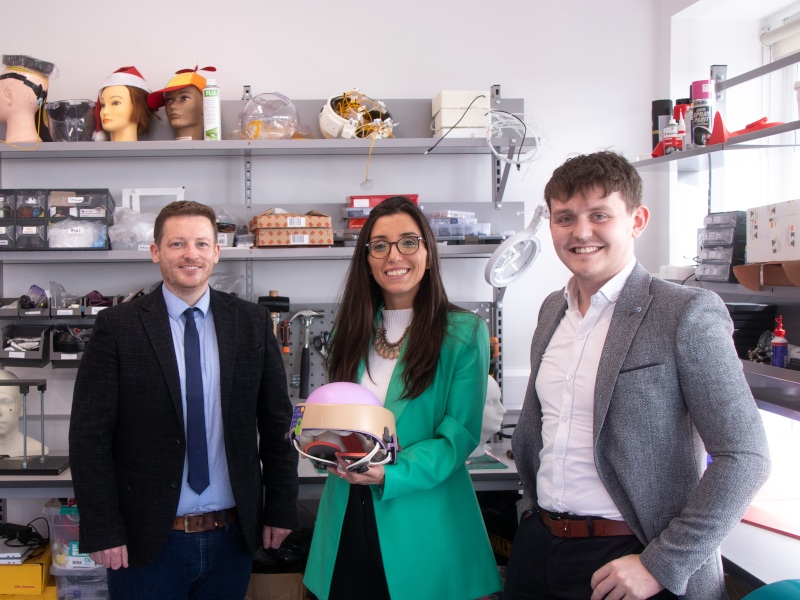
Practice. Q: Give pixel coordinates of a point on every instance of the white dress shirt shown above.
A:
(567, 480)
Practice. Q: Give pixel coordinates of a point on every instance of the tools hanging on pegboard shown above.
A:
(305, 339)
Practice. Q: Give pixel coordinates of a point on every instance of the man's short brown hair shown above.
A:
(605, 171)
(182, 208)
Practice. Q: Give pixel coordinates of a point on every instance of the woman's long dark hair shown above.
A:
(355, 321)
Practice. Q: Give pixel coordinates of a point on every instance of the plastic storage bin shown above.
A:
(86, 584)
(63, 521)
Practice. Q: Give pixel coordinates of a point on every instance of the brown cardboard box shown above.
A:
(754, 276)
(275, 586)
(322, 236)
(269, 219)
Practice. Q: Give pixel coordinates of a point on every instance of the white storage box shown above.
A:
(460, 99)
(772, 232)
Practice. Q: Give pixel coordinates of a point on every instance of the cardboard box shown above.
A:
(754, 276)
(31, 577)
(294, 237)
(50, 592)
(772, 232)
(269, 219)
(275, 586)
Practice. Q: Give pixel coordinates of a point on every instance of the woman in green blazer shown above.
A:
(412, 530)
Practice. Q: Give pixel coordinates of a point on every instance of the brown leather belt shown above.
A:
(583, 527)
(195, 523)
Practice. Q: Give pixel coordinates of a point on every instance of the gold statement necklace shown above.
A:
(385, 348)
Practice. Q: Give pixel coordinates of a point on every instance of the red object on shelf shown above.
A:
(721, 134)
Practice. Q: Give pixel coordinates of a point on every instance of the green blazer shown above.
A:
(433, 539)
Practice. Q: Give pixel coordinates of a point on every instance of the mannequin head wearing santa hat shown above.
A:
(122, 109)
(23, 91)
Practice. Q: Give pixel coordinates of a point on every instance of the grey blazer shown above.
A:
(669, 388)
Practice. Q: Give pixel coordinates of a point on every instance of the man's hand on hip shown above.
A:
(625, 578)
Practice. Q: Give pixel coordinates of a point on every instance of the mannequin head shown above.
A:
(23, 91)
(124, 113)
(184, 110)
(122, 109)
(182, 99)
(11, 438)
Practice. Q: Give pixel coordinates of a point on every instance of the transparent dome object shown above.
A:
(270, 116)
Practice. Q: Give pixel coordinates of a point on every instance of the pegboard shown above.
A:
(321, 325)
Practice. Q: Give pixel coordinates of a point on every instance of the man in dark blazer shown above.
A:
(158, 535)
(633, 380)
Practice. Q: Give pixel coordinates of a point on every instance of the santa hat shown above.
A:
(129, 76)
(183, 78)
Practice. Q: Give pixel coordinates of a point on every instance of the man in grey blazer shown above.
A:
(175, 510)
(633, 380)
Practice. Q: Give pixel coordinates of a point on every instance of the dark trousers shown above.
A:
(358, 572)
(545, 567)
(199, 566)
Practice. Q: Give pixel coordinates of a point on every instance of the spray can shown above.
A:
(780, 347)
(212, 118)
(702, 110)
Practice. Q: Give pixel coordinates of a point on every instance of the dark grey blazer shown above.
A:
(669, 387)
(126, 436)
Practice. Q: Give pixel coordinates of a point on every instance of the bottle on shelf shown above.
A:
(212, 119)
(780, 346)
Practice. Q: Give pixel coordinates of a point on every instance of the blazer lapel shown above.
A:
(155, 321)
(630, 309)
(226, 327)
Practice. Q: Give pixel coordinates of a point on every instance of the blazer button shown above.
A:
(174, 484)
(179, 441)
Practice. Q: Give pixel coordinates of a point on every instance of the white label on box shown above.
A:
(64, 311)
(2, 230)
(33, 312)
(295, 221)
(16, 355)
(69, 356)
(76, 230)
(360, 202)
(97, 309)
(75, 199)
(3, 242)
(298, 239)
(29, 230)
(144, 247)
(92, 212)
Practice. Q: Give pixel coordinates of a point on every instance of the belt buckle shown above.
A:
(186, 521)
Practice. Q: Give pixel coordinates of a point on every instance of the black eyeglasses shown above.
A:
(408, 244)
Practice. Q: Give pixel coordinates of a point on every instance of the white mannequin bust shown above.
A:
(11, 438)
(493, 412)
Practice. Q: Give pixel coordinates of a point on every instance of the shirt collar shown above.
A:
(176, 306)
(608, 293)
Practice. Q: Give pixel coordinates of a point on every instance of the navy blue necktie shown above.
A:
(197, 447)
